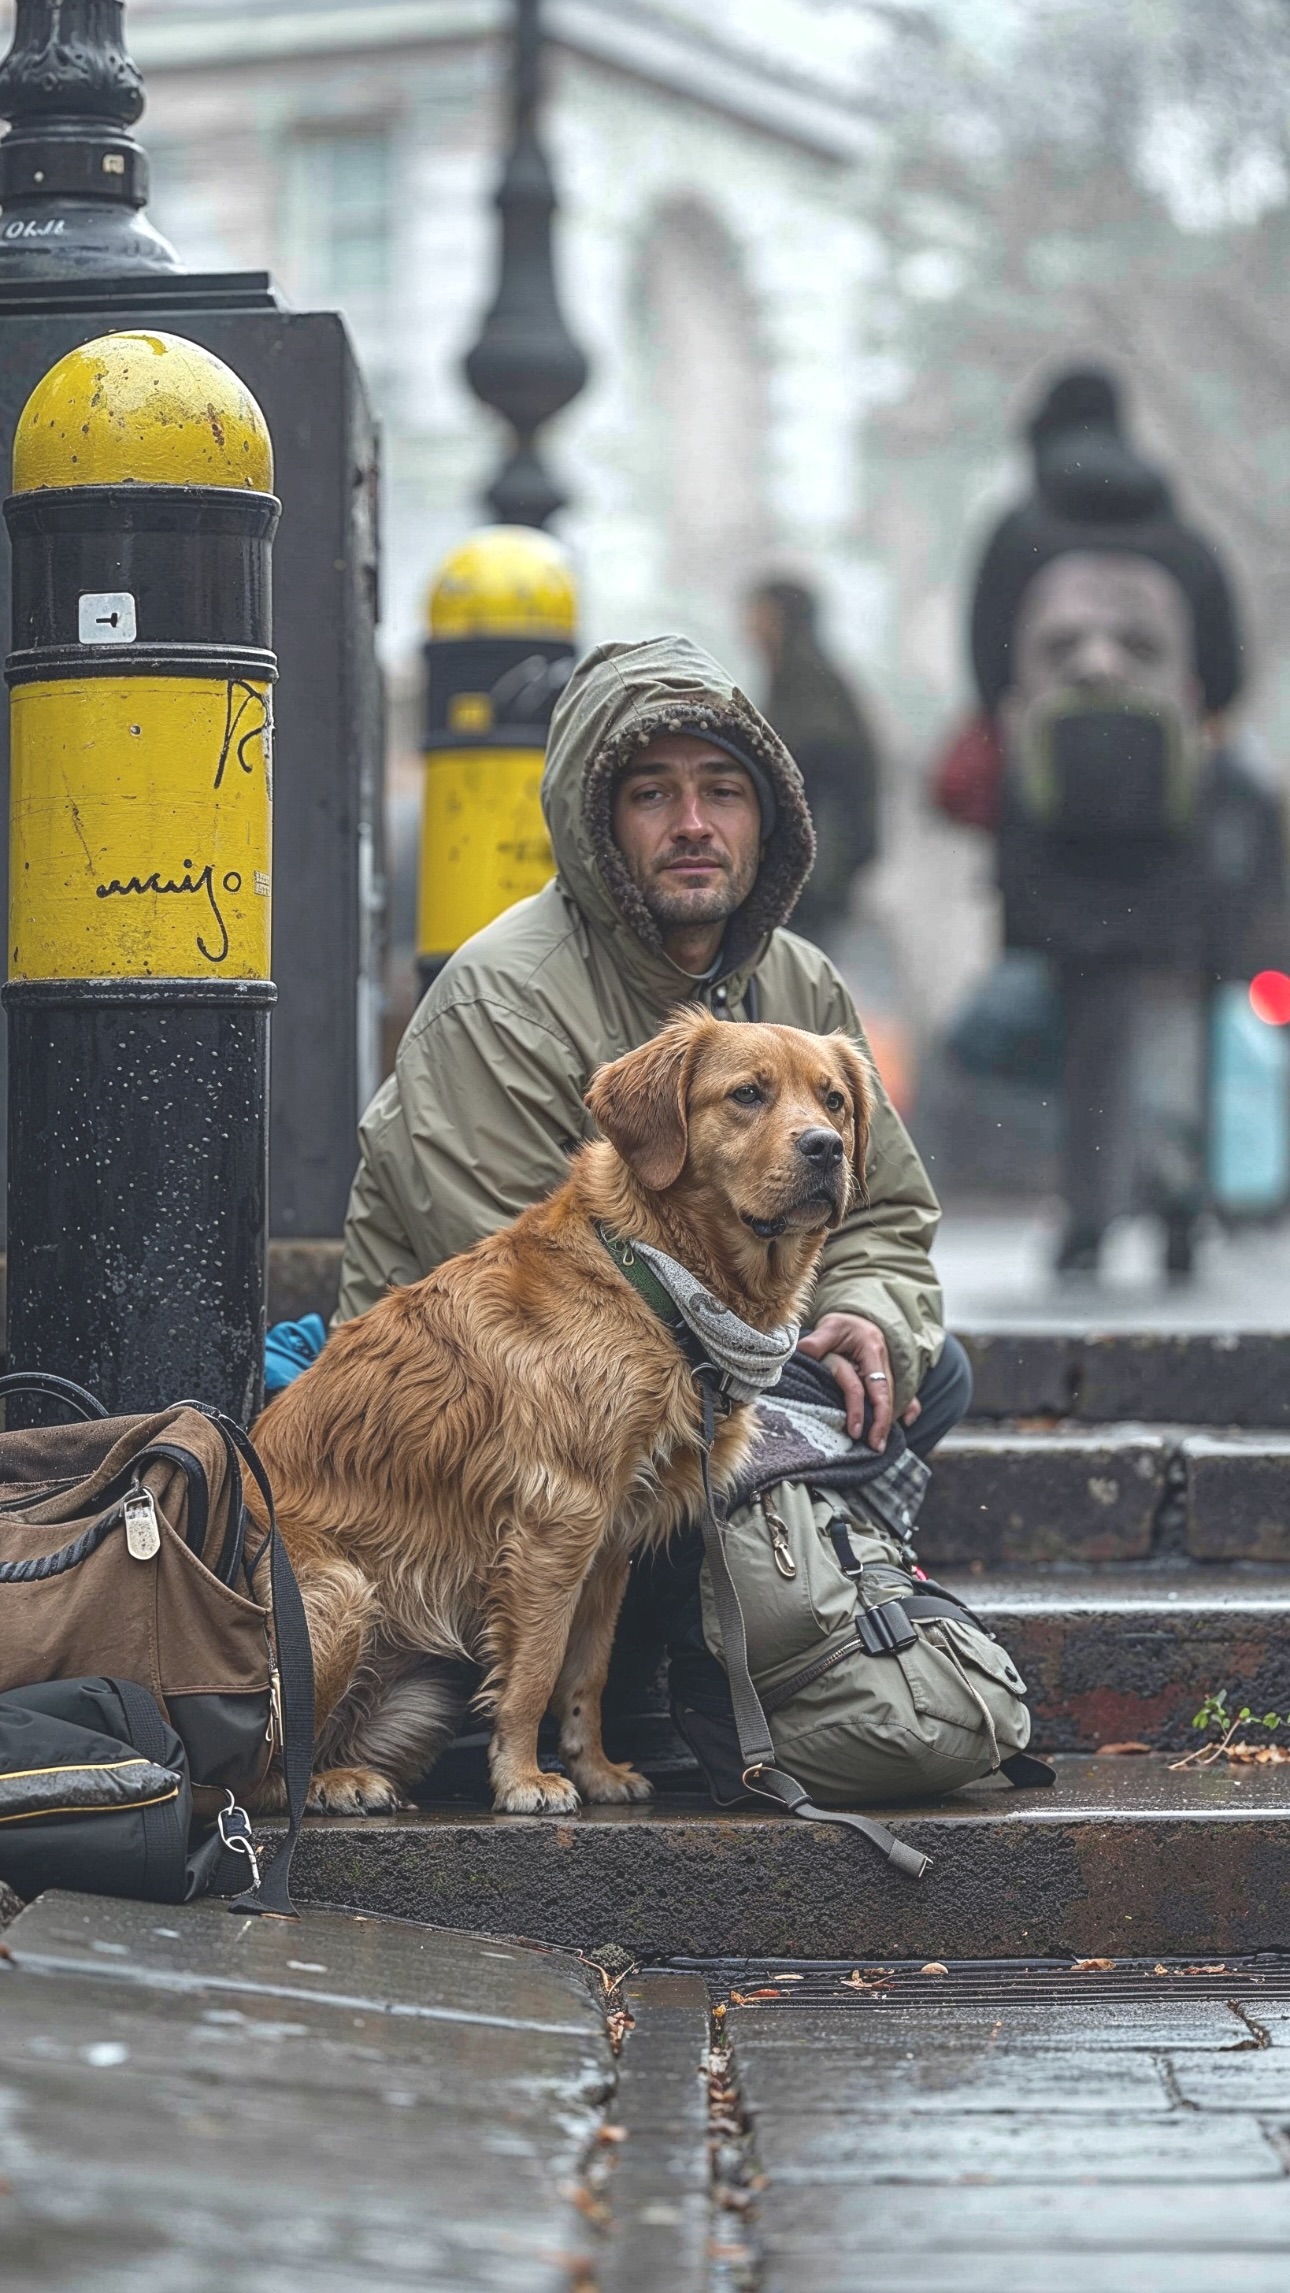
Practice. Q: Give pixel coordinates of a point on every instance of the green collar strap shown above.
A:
(646, 1283)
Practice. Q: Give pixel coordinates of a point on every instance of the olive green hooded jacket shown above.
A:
(485, 1103)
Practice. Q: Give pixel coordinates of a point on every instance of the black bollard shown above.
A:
(141, 675)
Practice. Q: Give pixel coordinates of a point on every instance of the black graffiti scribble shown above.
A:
(237, 736)
(201, 885)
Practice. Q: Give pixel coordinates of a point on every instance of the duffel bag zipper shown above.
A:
(142, 1533)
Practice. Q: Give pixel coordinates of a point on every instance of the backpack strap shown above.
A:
(756, 1749)
(272, 1894)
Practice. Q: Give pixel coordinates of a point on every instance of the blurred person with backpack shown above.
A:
(1136, 851)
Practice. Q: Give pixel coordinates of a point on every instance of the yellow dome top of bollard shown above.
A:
(505, 581)
(142, 409)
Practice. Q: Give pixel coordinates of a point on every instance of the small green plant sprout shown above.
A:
(1216, 1715)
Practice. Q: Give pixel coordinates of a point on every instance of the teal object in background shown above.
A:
(1249, 1118)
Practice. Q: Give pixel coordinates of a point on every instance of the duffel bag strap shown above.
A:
(272, 1894)
(756, 1747)
(56, 1388)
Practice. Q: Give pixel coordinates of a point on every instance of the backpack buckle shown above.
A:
(885, 1629)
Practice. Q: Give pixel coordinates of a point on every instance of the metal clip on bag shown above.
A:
(140, 1607)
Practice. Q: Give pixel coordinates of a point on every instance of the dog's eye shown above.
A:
(835, 1102)
(746, 1095)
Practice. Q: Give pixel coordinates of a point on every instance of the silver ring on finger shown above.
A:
(876, 1377)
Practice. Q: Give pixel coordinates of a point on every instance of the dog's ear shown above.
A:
(859, 1078)
(639, 1100)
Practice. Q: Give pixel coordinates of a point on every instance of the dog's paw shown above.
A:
(609, 1781)
(535, 1793)
(354, 1791)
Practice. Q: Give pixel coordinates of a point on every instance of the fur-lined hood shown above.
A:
(617, 699)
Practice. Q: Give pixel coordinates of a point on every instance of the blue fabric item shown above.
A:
(289, 1349)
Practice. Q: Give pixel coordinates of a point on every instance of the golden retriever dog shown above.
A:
(463, 1475)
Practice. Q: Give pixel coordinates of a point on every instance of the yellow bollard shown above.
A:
(141, 674)
(503, 611)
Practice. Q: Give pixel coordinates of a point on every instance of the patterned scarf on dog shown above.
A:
(752, 1359)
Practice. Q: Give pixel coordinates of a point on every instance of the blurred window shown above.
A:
(705, 427)
(345, 210)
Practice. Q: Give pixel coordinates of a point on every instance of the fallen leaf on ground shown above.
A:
(856, 1981)
(1259, 1755)
(746, 1997)
(1120, 1751)
(1160, 1970)
(616, 2029)
(1092, 1966)
(591, 2208)
(934, 1967)
(1219, 1969)
(612, 2134)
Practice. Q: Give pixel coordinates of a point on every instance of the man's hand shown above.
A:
(856, 1352)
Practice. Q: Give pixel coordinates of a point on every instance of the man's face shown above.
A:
(687, 822)
(1097, 622)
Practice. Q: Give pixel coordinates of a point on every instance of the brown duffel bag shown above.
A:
(126, 1551)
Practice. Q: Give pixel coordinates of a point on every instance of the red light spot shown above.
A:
(1270, 998)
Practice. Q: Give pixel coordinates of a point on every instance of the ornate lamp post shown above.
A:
(73, 181)
(526, 363)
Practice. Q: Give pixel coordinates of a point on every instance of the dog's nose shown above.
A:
(821, 1148)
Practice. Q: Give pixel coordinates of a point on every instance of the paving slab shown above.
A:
(658, 2190)
(1122, 1855)
(966, 2218)
(1040, 2146)
(930, 2071)
(191, 2096)
(905, 2140)
(1035, 2269)
(1048, 1494)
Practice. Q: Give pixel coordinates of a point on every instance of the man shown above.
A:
(1133, 851)
(822, 726)
(682, 840)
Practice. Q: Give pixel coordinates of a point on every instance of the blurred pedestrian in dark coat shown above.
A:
(1134, 849)
(821, 723)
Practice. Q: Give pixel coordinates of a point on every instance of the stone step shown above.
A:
(1122, 1857)
(1196, 1378)
(1109, 1656)
(1007, 1495)
(1123, 1655)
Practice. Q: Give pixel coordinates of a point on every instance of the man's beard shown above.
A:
(673, 907)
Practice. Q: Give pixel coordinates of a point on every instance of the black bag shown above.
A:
(95, 1796)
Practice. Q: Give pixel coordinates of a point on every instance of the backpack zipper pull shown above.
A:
(780, 1545)
(142, 1535)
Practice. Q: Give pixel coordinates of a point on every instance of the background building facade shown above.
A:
(819, 255)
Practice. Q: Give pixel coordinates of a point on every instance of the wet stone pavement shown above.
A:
(192, 2100)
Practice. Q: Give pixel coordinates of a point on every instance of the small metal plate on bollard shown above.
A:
(106, 617)
(142, 1535)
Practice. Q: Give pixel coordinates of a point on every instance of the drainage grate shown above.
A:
(863, 1984)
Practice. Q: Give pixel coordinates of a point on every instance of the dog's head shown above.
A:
(768, 1125)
